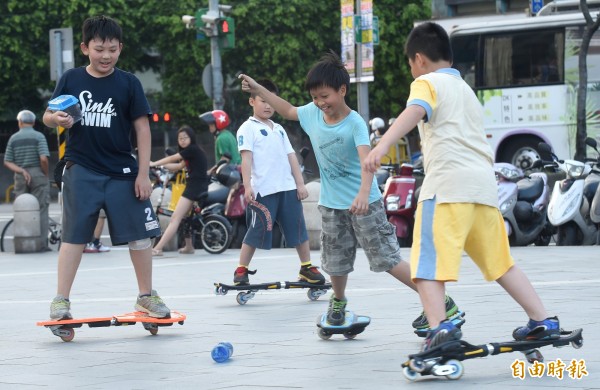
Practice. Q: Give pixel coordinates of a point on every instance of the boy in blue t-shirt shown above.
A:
(350, 203)
(101, 171)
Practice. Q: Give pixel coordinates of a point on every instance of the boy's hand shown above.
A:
(360, 205)
(143, 188)
(248, 83)
(373, 160)
(249, 194)
(302, 192)
(63, 119)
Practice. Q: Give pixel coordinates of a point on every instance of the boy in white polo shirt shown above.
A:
(272, 177)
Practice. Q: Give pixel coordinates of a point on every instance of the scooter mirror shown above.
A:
(591, 142)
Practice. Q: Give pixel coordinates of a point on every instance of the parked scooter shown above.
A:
(595, 205)
(569, 208)
(400, 202)
(523, 203)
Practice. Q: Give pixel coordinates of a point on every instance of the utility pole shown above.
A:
(215, 57)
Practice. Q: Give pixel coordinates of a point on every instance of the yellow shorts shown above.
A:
(443, 231)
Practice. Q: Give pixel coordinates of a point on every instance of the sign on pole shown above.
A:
(61, 51)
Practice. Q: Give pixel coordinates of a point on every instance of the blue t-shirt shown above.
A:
(335, 150)
(101, 141)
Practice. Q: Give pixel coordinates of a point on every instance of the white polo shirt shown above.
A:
(271, 170)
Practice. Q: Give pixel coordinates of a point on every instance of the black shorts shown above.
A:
(86, 192)
(193, 190)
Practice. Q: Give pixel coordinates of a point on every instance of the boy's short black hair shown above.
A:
(328, 72)
(431, 40)
(269, 85)
(101, 27)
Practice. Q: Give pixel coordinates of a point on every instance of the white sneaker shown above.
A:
(90, 248)
(102, 248)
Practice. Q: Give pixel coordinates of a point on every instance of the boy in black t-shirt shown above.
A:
(101, 171)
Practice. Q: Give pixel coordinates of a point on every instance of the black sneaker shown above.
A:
(336, 313)
(451, 309)
(240, 276)
(309, 273)
(444, 333)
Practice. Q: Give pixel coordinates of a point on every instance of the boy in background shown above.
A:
(272, 177)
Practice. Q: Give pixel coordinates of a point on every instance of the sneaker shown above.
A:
(336, 313)
(90, 248)
(538, 330)
(102, 248)
(421, 321)
(153, 305)
(311, 274)
(240, 276)
(444, 333)
(60, 308)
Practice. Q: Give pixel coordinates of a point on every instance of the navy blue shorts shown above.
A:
(86, 192)
(285, 208)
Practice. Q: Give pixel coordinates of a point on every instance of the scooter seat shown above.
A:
(530, 188)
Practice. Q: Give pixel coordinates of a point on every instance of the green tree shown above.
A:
(274, 38)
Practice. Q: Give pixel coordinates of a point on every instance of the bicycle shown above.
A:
(54, 235)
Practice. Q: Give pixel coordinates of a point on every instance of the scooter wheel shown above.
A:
(458, 369)
(410, 374)
(417, 365)
(324, 335)
(577, 344)
(534, 355)
(68, 336)
(242, 298)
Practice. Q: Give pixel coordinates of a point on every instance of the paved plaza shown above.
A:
(275, 339)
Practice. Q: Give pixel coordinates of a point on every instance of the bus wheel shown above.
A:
(521, 152)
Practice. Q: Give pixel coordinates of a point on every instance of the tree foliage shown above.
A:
(274, 38)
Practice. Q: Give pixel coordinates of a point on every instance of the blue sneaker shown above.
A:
(538, 330)
(444, 333)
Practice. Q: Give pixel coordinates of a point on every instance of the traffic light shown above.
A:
(167, 117)
(226, 30)
(155, 117)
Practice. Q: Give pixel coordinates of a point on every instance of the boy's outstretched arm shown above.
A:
(405, 122)
(283, 107)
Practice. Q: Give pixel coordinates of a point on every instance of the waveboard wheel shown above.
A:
(150, 327)
(241, 298)
(69, 336)
(324, 335)
(220, 290)
(313, 294)
(577, 343)
(417, 365)
(410, 374)
(534, 356)
(458, 369)
(350, 336)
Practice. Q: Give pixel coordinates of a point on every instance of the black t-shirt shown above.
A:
(196, 165)
(101, 140)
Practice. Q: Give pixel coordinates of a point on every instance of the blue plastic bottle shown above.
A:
(222, 352)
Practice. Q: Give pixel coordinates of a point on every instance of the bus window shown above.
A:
(523, 58)
(464, 49)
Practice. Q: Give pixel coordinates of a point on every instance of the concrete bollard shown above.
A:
(27, 230)
(164, 220)
(312, 216)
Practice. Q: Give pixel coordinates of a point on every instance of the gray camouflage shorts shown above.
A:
(342, 231)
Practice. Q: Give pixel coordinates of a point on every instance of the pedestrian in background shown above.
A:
(27, 156)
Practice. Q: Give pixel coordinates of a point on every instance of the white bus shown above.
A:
(524, 71)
